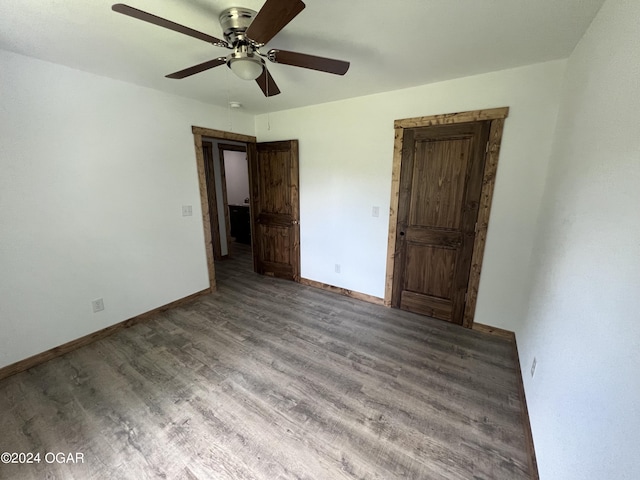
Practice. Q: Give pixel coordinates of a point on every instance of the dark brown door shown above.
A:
(275, 211)
(440, 185)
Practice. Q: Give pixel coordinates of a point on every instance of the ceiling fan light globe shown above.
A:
(247, 68)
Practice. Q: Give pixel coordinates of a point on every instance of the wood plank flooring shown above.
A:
(269, 379)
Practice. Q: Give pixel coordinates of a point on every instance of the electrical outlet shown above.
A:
(187, 211)
(533, 366)
(98, 305)
(375, 212)
(337, 268)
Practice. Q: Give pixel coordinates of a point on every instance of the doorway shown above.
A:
(442, 186)
(236, 198)
(205, 194)
(227, 176)
(274, 210)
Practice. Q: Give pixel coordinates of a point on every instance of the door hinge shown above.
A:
(486, 148)
(466, 295)
(475, 229)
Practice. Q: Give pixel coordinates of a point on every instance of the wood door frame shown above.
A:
(227, 147)
(496, 116)
(212, 193)
(198, 133)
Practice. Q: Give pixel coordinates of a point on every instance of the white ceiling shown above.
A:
(391, 44)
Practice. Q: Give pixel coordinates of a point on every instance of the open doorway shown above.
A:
(236, 196)
(227, 177)
(274, 209)
(214, 198)
(228, 187)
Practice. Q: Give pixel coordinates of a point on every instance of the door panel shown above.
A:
(425, 305)
(436, 203)
(275, 208)
(431, 272)
(440, 184)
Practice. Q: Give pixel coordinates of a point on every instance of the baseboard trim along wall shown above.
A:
(39, 358)
(342, 291)
(499, 332)
(526, 422)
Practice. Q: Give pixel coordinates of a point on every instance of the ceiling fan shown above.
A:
(245, 32)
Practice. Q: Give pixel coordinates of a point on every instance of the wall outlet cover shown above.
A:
(97, 305)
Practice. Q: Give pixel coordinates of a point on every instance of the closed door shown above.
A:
(440, 185)
(275, 208)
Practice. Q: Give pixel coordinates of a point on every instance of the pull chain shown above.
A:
(229, 115)
(268, 111)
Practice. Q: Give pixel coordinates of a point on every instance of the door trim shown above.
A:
(496, 116)
(198, 133)
(212, 192)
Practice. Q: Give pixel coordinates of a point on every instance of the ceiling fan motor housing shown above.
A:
(234, 22)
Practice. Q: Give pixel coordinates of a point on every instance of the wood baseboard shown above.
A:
(526, 422)
(39, 358)
(499, 332)
(342, 291)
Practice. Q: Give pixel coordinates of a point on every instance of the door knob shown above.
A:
(402, 234)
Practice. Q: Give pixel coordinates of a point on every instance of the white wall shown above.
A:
(583, 324)
(93, 174)
(236, 171)
(346, 151)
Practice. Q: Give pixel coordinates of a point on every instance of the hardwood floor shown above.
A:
(269, 379)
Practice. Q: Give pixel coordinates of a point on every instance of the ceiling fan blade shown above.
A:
(329, 65)
(267, 84)
(187, 72)
(273, 17)
(162, 22)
